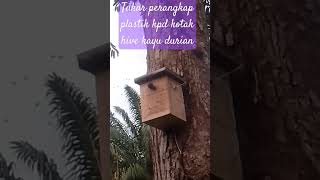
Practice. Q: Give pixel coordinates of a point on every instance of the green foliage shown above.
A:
(76, 119)
(135, 172)
(134, 105)
(6, 170)
(129, 139)
(36, 160)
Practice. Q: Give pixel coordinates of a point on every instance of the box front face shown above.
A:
(155, 102)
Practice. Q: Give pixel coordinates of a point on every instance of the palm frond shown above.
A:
(127, 120)
(144, 146)
(6, 170)
(36, 160)
(125, 147)
(129, 137)
(116, 124)
(134, 105)
(122, 143)
(133, 99)
(76, 119)
(119, 165)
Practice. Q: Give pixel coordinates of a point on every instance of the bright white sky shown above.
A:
(129, 65)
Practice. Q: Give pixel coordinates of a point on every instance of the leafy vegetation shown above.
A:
(129, 140)
(76, 121)
(6, 170)
(36, 160)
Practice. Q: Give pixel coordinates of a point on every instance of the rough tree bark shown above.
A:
(185, 154)
(276, 93)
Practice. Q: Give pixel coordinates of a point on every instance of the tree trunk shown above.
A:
(276, 92)
(185, 153)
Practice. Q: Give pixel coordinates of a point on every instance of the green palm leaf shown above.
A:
(77, 122)
(115, 123)
(36, 160)
(127, 120)
(129, 139)
(134, 105)
(122, 143)
(133, 99)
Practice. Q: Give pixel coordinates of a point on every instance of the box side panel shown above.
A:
(177, 107)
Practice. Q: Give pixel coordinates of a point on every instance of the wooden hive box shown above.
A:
(162, 103)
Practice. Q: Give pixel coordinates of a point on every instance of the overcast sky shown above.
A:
(129, 65)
